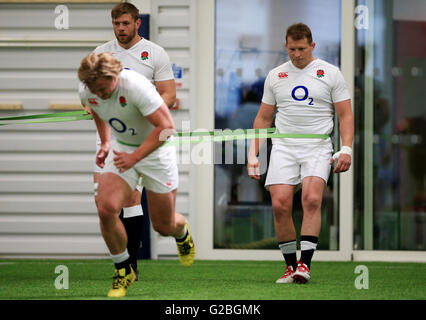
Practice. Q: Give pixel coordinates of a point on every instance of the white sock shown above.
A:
(307, 245)
(132, 211)
(185, 230)
(288, 247)
(117, 258)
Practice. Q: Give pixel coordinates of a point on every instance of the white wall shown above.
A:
(46, 197)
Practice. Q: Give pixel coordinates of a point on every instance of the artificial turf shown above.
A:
(211, 280)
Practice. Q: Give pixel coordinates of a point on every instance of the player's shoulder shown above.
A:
(106, 47)
(285, 67)
(319, 63)
(147, 44)
(279, 72)
(129, 74)
(131, 79)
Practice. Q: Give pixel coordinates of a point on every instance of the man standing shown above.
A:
(306, 92)
(150, 60)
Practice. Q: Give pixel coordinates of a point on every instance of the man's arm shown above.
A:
(167, 91)
(346, 128)
(105, 135)
(264, 119)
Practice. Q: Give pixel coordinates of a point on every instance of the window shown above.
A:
(390, 116)
(250, 38)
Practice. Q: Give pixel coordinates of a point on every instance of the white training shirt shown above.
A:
(134, 98)
(145, 57)
(304, 98)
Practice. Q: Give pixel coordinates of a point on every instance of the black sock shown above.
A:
(308, 246)
(134, 228)
(288, 249)
(125, 264)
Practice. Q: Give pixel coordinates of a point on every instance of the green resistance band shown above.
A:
(239, 135)
(182, 137)
(47, 117)
(227, 135)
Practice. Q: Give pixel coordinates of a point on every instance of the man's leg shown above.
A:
(113, 192)
(312, 190)
(282, 204)
(167, 222)
(131, 216)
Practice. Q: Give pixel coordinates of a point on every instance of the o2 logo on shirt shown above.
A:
(120, 126)
(302, 94)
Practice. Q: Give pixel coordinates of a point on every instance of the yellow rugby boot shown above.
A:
(186, 249)
(121, 282)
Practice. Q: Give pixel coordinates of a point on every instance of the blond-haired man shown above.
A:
(140, 121)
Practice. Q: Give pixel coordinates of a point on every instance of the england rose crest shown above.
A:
(144, 55)
(320, 73)
(123, 101)
(92, 101)
(283, 75)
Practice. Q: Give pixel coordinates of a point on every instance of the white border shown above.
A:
(346, 185)
(389, 256)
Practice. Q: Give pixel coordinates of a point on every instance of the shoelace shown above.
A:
(302, 267)
(184, 247)
(119, 282)
(288, 272)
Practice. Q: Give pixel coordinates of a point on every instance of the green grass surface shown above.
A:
(212, 280)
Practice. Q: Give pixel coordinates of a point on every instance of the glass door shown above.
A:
(390, 113)
(250, 39)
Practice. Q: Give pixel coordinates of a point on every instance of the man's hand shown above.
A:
(253, 167)
(102, 154)
(344, 158)
(124, 161)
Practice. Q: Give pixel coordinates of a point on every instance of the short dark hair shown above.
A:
(123, 8)
(299, 31)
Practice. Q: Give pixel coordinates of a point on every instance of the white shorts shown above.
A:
(290, 164)
(97, 169)
(159, 169)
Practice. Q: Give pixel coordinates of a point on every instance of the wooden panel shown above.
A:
(46, 188)
(170, 5)
(60, 1)
(46, 162)
(46, 141)
(42, 183)
(11, 106)
(171, 41)
(32, 244)
(47, 204)
(36, 58)
(39, 83)
(65, 106)
(53, 127)
(62, 225)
